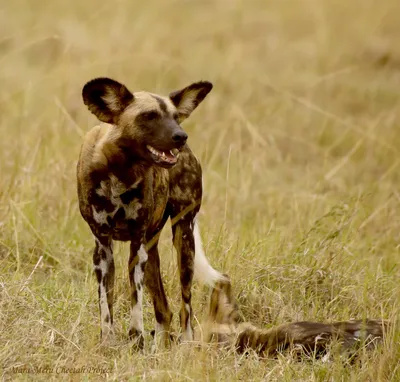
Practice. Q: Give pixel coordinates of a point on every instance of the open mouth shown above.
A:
(169, 157)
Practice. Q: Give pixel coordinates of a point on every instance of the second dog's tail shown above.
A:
(203, 271)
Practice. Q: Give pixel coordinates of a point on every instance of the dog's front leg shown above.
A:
(137, 263)
(104, 268)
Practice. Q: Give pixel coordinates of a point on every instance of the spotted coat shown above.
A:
(134, 172)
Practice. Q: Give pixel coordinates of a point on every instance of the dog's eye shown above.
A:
(176, 117)
(150, 115)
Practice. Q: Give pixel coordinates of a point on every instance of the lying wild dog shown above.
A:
(135, 171)
(313, 338)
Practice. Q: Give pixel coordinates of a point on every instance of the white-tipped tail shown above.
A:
(203, 271)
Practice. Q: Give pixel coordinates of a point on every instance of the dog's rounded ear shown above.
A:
(106, 99)
(188, 98)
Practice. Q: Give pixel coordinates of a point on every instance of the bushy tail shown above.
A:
(301, 337)
(203, 271)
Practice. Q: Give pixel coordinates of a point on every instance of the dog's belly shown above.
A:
(121, 235)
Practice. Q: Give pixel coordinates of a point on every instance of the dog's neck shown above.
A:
(112, 156)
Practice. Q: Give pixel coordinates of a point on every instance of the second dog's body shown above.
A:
(305, 337)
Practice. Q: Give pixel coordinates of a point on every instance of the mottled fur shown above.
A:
(129, 183)
(310, 338)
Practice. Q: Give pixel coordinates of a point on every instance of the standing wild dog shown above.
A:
(305, 337)
(135, 171)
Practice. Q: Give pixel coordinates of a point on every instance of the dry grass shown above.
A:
(299, 142)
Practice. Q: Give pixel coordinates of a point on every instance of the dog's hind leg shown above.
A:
(184, 244)
(192, 262)
(153, 282)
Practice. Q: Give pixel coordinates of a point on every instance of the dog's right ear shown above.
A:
(188, 98)
(106, 99)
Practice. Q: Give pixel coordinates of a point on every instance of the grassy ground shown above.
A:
(299, 143)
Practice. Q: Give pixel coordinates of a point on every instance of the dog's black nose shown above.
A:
(179, 137)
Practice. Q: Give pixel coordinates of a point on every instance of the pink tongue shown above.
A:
(169, 155)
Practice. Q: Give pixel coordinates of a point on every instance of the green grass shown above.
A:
(299, 142)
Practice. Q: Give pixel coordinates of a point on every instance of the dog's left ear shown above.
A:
(187, 99)
(106, 98)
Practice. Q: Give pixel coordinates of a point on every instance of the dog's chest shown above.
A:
(118, 202)
(122, 209)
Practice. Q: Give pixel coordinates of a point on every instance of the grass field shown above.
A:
(300, 147)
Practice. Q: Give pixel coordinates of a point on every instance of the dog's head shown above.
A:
(223, 314)
(147, 125)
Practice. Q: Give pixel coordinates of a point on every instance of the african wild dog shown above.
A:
(300, 338)
(135, 171)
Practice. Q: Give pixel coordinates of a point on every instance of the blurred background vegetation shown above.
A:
(299, 143)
